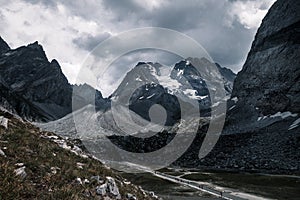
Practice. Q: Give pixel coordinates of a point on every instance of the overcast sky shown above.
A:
(70, 29)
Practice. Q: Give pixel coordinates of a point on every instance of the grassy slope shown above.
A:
(24, 143)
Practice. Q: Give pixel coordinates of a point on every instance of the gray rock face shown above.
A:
(3, 46)
(32, 85)
(152, 83)
(262, 131)
(85, 94)
(270, 78)
(35, 88)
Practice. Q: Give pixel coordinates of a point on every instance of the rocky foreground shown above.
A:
(36, 164)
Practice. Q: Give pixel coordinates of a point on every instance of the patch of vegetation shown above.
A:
(175, 173)
(198, 177)
(51, 171)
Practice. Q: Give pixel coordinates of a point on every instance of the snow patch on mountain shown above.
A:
(295, 124)
(192, 94)
(284, 115)
(277, 115)
(164, 79)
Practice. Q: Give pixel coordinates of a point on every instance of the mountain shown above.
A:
(145, 85)
(228, 78)
(152, 83)
(262, 131)
(269, 82)
(141, 87)
(85, 94)
(33, 87)
(37, 90)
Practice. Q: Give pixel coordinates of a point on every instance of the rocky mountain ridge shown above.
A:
(35, 88)
(174, 88)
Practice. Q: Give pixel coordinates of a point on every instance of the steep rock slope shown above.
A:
(32, 85)
(35, 88)
(3, 46)
(270, 79)
(262, 131)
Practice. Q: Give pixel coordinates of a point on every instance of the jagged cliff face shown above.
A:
(270, 79)
(262, 130)
(32, 85)
(3, 46)
(35, 88)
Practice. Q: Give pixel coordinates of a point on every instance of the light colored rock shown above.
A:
(101, 190)
(109, 188)
(86, 181)
(152, 194)
(130, 196)
(112, 187)
(54, 170)
(19, 164)
(76, 150)
(21, 172)
(127, 182)
(3, 122)
(2, 153)
(78, 181)
(80, 165)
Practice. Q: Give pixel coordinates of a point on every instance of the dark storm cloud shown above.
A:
(177, 15)
(89, 42)
(123, 8)
(202, 20)
(226, 39)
